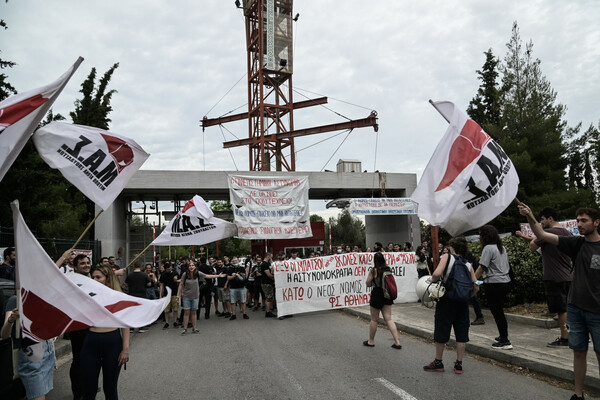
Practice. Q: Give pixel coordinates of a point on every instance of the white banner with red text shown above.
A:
(270, 207)
(338, 281)
(383, 206)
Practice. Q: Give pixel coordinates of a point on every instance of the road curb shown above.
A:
(505, 356)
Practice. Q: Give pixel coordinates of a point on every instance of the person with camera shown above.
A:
(379, 304)
(236, 280)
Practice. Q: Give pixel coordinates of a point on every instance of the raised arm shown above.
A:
(536, 227)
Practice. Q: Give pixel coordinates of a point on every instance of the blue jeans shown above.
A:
(581, 324)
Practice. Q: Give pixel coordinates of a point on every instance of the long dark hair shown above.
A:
(489, 235)
(379, 260)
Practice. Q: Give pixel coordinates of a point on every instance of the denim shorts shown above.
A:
(37, 377)
(581, 324)
(223, 294)
(238, 294)
(190, 303)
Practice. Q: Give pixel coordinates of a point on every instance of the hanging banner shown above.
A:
(269, 207)
(570, 225)
(338, 281)
(383, 206)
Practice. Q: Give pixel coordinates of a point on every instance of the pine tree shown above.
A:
(484, 108)
(94, 107)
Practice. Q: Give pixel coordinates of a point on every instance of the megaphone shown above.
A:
(429, 292)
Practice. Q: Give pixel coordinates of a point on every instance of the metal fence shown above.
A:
(55, 247)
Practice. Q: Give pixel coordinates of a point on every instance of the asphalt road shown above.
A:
(311, 356)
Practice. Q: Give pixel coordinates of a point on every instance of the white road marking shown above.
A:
(395, 389)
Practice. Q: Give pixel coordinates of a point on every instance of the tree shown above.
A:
(94, 107)
(346, 229)
(6, 89)
(484, 108)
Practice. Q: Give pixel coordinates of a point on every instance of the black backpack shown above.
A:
(459, 284)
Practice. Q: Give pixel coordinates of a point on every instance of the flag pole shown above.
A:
(434, 230)
(431, 102)
(87, 229)
(139, 255)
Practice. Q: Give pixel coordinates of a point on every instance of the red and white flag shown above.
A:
(54, 303)
(97, 162)
(469, 180)
(195, 224)
(21, 114)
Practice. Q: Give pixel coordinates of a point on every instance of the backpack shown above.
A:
(390, 291)
(459, 284)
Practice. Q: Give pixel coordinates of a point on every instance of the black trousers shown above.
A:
(77, 338)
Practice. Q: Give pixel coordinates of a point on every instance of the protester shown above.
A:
(495, 268)
(268, 285)
(223, 292)
(422, 262)
(189, 293)
(236, 280)
(104, 348)
(451, 313)
(583, 304)
(137, 284)
(206, 288)
(379, 304)
(81, 265)
(258, 292)
(7, 269)
(556, 272)
(171, 280)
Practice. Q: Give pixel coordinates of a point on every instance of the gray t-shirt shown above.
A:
(585, 287)
(191, 290)
(494, 264)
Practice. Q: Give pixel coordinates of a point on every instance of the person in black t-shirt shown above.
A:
(170, 279)
(268, 284)
(236, 281)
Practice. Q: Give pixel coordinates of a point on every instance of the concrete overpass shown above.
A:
(112, 227)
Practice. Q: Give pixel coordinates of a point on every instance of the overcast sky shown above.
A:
(178, 58)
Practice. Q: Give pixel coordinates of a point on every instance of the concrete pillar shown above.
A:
(110, 230)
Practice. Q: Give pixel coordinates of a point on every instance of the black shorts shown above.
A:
(556, 295)
(448, 314)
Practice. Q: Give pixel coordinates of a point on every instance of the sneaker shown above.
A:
(217, 313)
(221, 314)
(227, 315)
(195, 331)
(575, 397)
(497, 339)
(435, 366)
(142, 330)
(503, 344)
(232, 317)
(458, 367)
(270, 315)
(478, 321)
(246, 316)
(166, 326)
(184, 332)
(559, 342)
(254, 308)
(175, 324)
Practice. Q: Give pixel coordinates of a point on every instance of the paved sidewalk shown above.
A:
(528, 336)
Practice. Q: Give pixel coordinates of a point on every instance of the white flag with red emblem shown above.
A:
(54, 303)
(21, 114)
(97, 162)
(469, 180)
(195, 224)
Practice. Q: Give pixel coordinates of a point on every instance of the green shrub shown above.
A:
(527, 267)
